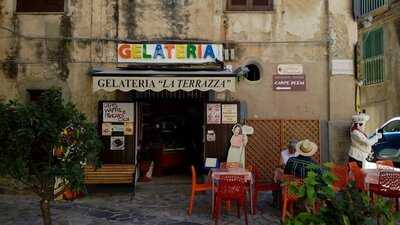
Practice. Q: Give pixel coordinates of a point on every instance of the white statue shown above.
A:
(360, 147)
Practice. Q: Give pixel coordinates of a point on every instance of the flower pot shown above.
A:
(69, 194)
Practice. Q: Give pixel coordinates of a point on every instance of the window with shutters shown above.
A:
(40, 6)
(373, 59)
(250, 5)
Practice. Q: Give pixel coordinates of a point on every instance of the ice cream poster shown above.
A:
(213, 113)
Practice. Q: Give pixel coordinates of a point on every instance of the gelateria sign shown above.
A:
(169, 53)
(163, 83)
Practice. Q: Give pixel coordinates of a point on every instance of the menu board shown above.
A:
(118, 112)
(213, 113)
(229, 113)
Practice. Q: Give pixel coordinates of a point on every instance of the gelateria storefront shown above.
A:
(166, 111)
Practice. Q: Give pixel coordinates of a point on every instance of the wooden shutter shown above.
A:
(40, 6)
(373, 57)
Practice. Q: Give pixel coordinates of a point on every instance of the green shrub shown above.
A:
(347, 207)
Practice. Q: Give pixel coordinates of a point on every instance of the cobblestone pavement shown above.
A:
(153, 204)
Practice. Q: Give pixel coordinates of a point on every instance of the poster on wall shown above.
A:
(128, 128)
(117, 143)
(213, 113)
(229, 113)
(117, 112)
(211, 137)
(106, 129)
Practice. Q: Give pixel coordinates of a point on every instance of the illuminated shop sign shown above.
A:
(169, 53)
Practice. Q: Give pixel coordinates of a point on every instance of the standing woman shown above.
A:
(238, 142)
(360, 147)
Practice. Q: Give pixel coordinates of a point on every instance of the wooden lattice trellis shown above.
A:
(271, 137)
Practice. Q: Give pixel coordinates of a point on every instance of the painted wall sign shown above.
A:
(163, 83)
(169, 53)
(289, 82)
(290, 69)
(342, 67)
(117, 112)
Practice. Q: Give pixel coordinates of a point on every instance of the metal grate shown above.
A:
(368, 6)
(365, 7)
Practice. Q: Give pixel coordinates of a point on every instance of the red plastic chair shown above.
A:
(261, 187)
(287, 198)
(389, 186)
(196, 187)
(341, 176)
(359, 175)
(231, 188)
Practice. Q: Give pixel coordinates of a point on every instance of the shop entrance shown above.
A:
(171, 131)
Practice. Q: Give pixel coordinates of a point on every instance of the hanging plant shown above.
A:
(242, 73)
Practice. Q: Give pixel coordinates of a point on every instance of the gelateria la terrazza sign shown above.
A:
(158, 81)
(163, 83)
(169, 53)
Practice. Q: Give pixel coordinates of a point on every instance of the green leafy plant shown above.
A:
(348, 207)
(29, 135)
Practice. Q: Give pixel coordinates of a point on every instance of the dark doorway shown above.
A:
(172, 135)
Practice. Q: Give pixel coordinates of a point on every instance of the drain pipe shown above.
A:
(329, 41)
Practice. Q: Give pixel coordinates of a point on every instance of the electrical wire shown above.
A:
(126, 40)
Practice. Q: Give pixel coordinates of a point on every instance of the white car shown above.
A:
(386, 141)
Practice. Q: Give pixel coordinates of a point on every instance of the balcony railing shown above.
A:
(366, 7)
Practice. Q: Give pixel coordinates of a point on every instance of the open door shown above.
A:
(219, 119)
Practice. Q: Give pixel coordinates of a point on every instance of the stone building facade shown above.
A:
(43, 49)
(379, 61)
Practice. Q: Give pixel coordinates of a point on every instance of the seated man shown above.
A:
(287, 153)
(298, 166)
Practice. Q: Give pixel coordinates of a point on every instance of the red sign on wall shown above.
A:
(289, 82)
